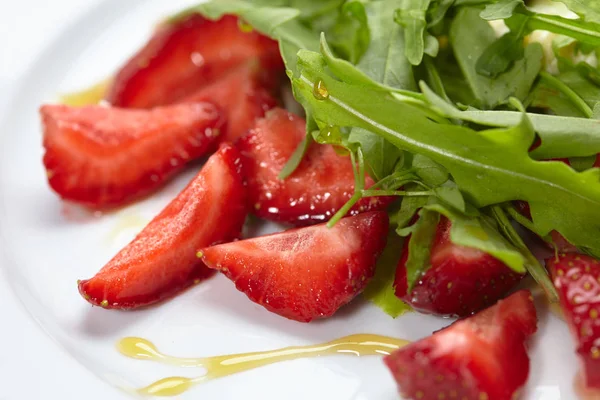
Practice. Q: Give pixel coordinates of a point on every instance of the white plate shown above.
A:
(45, 251)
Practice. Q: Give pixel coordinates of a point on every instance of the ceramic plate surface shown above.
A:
(47, 245)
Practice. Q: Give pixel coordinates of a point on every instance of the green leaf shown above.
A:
(582, 163)
(380, 290)
(501, 9)
(437, 12)
(384, 60)
(561, 136)
(586, 9)
(499, 56)
(489, 167)
(450, 194)
(419, 247)
(296, 157)
(432, 173)
(412, 16)
(380, 155)
(470, 36)
(532, 264)
(408, 208)
(585, 32)
(350, 35)
(262, 18)
(567, 91)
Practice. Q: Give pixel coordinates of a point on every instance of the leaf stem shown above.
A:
(374, 193)
(344, 210)
(568, 27)
(533, 266)
(567, 91)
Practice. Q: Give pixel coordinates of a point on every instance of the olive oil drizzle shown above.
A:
(220, 366)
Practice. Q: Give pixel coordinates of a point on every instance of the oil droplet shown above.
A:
(92, 95)
(320, 91)
(244, 26)
(329, 135)
(172, 386)
(139, 348)
(221, 366)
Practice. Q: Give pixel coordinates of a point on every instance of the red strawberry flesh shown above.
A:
(577, 280)
(305, 273)
(243, 95)
(318, 188)
(480, 357)
(186, 55)
(460, 281)
(161, 261)
(105, 157)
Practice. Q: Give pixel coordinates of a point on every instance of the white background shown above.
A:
(25, 28)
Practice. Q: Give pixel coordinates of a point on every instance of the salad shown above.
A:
(431, 147)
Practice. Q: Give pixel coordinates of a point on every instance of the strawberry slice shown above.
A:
(184, 56)
(161, 261)
(577, 279)
(105, 157)
(305, 273)
(243, 96)
(481, 357)
(320, 186)
(460, 281)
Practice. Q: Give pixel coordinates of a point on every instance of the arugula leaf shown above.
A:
(384, 60)
(350, 35)
(421, 234)
(501, 54)
(561, 136)
(501, 9)
(401, 217)
(535, 269)
(381, 156)
(432, 173)
(585, 32)
(437, 11)
(262, 18)
(582, 163)
(412, 16)
(380, 290)
(489, 167)
(586, 9)
(470, 36)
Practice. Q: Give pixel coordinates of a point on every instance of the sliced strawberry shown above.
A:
(577, 279)
(480, 357)
(320, 186)
(243, 96)
(104, 157)
(161, 260)
(305, 273)
(460, 281)
(182, 57)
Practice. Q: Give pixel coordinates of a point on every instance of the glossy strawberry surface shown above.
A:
(106, 157)
(460, 281)
(577, 280)
(480, 357)
(161, 261)
(318, 188)
(186, 55)
(305, 273)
